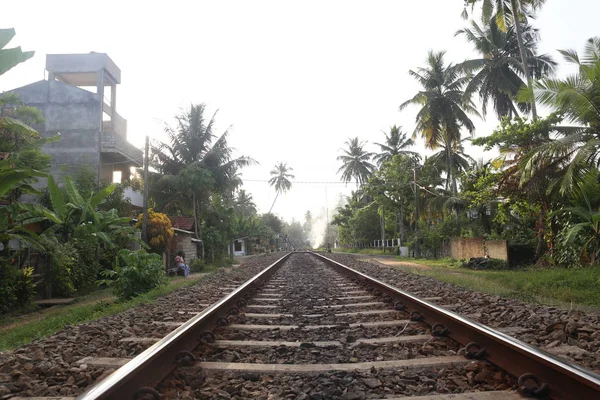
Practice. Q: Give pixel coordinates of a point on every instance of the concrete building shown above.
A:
(79, 101)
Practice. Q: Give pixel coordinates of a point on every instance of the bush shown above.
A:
(63, 258)
(16, 288)
(85, 271)
(25, 288)
(197, 265)
(135, 272)
(487, 263)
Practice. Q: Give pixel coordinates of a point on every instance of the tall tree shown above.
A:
(356, 162)
(508, 12)
(498, 73)
(280, 179)
(194, 164)
(577, 97)
(444, 107)
(396, 143)
(460, 163)
(245, 204)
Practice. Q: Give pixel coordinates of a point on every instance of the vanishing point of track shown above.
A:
(308, 315)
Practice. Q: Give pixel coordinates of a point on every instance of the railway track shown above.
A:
(308, 327)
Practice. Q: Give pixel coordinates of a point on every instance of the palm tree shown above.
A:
(245, 204)
(356, 162)
(460, 164)
(280, 180)
(194, 163)
(515, 11)
(444, 106)
(395, 143)
(577, 97)
(498, 72)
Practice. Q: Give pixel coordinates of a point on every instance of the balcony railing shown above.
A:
(114, 143)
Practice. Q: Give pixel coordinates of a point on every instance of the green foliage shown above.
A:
(85, 271)
(64, 259)
(196, 265)
(356, 162)
(17, 288)
(13, 56)
(135, 272)
(518, 134)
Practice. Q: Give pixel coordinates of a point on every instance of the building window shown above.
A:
(237, 245)
(116, 177)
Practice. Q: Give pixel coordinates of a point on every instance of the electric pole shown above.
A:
(417, 251)
(146, 185)
(327, 215)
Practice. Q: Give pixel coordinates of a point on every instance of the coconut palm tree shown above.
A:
(356, 162)
(194, 163)
(444, 107)
(511, 12)
(460, 163)
(281, 175)
(245, 204)
(498, 73)
(395, 143)
(577, 97)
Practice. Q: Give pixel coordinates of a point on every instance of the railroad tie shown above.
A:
(312, 327)
(495, 395)
(412, 364)
(373, 303)
(269, 343)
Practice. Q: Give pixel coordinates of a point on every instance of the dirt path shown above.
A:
(392, 262)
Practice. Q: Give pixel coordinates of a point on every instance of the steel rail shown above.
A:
(153, 365)
(564, 381)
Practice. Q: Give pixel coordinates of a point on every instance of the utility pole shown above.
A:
(327, 215)
(417, 251)
(146, 185)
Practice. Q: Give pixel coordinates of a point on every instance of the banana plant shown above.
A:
(67, 213)
(11, 57)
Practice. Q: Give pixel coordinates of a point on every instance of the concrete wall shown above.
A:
(75, 114)
(466, 248)
(497, 249)
(183, 241)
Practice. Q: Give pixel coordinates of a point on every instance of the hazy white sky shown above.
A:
(295, 79)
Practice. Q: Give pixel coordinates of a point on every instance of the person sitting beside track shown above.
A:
(182, 268)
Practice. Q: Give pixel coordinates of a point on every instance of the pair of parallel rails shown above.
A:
(540, 374)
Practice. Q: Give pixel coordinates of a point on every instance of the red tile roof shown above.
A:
(185, 223)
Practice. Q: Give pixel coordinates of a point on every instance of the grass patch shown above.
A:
(570, 288)
(15, 333)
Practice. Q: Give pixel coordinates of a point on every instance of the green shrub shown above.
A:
(197, 265)
(25, 288)
(495, 263)
(487, 263)
(135, 272)
(16, 286)
(63, 259)
(8, 278)
(85, 272)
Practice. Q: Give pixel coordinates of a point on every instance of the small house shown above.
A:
(185, 239)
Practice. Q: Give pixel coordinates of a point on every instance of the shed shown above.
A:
(185, 239)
